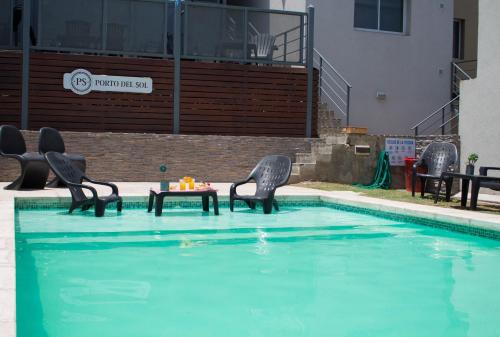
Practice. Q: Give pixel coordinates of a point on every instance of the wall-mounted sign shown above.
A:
(81, 82)
(398, 149)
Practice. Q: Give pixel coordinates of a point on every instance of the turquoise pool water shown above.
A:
(305, 271)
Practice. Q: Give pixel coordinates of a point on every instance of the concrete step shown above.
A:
(335, 139)
(320, 149)
(294, 179)
(304, 157)
(306, 171)
(337, 123)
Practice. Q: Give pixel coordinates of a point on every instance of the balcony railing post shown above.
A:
(301, 39)
(177, 67)
(245, 34)
(285, 42)
(104, 28)
(442, 121)
(320, 83)
(11, 23)
(39, 27)
(26, 64)
(310, 69)
(348, 104)
(165, 30)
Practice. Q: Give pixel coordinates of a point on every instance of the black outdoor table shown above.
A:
(466, 179)
(204, 194)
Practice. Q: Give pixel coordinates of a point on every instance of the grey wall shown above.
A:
(480, 97)
(412, 69)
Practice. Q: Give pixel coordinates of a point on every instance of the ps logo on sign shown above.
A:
(80, 81)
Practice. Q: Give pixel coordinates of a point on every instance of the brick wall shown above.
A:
(137, 157)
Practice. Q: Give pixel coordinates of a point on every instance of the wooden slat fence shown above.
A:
(10, 88)
(216, 98)
(52, 105)
(237, 99)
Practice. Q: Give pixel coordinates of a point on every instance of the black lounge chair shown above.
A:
(73, 177)
(50, 140)
(270, 173)
(484, 183)
(34, 169)
(437, 158)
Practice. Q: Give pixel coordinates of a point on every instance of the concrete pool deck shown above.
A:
(477, 220)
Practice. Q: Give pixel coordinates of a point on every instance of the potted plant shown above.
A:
(472, 159)
(164, 185)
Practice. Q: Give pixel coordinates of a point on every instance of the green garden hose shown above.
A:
(382, 178)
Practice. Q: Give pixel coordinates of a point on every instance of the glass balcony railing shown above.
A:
(146, 28)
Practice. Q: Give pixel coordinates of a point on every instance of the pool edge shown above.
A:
(7, 269)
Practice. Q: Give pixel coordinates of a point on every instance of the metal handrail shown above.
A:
(288, 41)
(333, 68)
(458, 68)
(333, 101)
(449, 120)
(288, 31)
(333, 86)
(333, 90)
(255, 30)
(334, 80)
(434, 113)
(251, 9)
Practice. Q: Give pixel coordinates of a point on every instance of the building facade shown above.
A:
(400, 72)
(480, 97)
(396, 54)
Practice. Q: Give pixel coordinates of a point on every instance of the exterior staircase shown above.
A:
(445, 119)
(305, 166)
(334, 93)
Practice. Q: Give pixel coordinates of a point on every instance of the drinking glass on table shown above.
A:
(182, 184)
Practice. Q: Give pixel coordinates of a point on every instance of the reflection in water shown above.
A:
(87, 292)
(261, 247)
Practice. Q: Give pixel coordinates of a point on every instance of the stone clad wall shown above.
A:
(341, 165)
(423, 141)
(137, 157)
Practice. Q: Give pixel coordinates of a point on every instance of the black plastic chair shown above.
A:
(483, 171)
(73, 177)
(270, 173)
(437, 158)
(493, 185)
(34, 169)
(50, 140)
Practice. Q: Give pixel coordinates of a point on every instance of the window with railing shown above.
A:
(380, 15)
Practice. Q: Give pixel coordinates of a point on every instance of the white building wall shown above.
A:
(413, 69)
(288, 5)
(480, 97)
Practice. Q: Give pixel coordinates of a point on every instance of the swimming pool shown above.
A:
(310, 270)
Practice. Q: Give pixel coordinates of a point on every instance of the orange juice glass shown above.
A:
(191, 184)
(182, 185)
